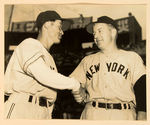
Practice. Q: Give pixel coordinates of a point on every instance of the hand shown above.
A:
(141, 115)
(79, 95)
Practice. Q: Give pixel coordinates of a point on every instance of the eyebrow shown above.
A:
(99, 28)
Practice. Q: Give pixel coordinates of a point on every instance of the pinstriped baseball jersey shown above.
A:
(110, 76)
(16, 77)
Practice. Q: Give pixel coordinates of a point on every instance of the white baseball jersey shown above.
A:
(16, 78)
(21, 81)
(110, 77)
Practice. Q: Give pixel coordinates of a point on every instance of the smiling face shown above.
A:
(102, 35)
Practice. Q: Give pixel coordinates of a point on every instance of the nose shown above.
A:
(95, 36)
(61, 31)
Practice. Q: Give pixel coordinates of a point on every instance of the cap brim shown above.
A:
(89, 27)
(66, 24)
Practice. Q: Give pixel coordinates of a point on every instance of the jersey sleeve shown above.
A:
(28, 52)
(139, 68)
(79, 72)
(51, 78)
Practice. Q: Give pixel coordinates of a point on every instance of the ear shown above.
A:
(46, 25)
(113, 32)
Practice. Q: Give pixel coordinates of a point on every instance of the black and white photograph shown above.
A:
(75, 61)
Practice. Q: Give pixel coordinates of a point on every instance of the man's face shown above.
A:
(55, 31)
(102, 35)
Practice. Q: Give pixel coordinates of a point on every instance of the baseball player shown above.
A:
(113, 80)
(31, 77)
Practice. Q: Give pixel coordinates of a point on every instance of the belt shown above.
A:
(111, 105)
(42, 101)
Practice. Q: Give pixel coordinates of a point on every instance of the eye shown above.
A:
(60, 27)
(52, 23)
(99, 31)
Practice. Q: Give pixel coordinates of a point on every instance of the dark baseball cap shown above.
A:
(51, 16)
(103, 19)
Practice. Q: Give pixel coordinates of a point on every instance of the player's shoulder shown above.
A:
(91, 56)
(30, 42)
(129, 53)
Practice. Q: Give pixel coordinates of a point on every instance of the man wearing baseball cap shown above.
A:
(113, 80)
(31, 77)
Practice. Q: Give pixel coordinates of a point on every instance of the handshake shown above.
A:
(79, 93)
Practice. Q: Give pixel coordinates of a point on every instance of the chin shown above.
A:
(57, 42)
(99, 46)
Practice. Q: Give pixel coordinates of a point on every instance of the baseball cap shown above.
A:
(102, 19)
(51, 16)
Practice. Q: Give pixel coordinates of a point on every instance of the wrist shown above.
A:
(76, 86)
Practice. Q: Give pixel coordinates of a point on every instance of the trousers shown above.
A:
(18, 107)
(96, 113)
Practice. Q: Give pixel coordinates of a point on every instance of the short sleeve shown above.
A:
(28, 52)
(139, 68)
(79, 73)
